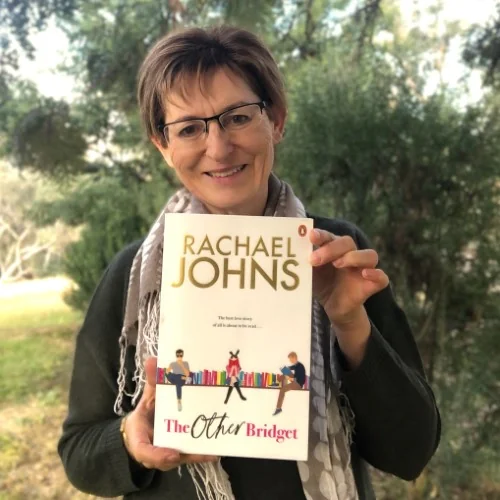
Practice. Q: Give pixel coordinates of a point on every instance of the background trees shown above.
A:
(375, 135)
(25, 249)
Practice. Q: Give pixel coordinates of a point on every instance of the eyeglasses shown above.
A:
(232, 121)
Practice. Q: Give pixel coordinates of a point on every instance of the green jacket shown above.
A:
(397, 423)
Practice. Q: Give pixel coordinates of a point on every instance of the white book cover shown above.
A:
(235, 336)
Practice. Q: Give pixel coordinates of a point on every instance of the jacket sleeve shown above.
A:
(397, 422)
(91, 446)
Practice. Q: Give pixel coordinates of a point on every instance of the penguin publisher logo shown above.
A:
(302, 230)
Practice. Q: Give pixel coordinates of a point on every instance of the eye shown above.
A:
(190, 130)
(186, 130)
(236, 119)
(240, 119)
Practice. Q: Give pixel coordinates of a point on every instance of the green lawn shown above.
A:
(37, 332)
(36, 338)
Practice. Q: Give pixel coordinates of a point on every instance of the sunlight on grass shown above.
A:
(36, 338)
(37, 332)
(33, 364)
(34, 304)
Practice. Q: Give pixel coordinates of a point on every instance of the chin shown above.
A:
(231, 205)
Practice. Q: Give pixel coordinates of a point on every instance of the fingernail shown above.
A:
(366, 273)
(339, 263)
(315, 233)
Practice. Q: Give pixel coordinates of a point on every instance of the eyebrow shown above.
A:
(226, 108)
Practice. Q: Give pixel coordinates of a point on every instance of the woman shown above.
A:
(233, 370)
(213, 104)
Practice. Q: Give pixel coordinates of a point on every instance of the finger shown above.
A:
(359, 258)
(149, 393)
(154, 457)
(191, 459)
(333, 250)
(150, 369)
(319, 237)
(376, 276)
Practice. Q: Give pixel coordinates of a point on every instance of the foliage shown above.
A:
(112, 213)
(483, 49)
(421, 178)
(26, 250)
(365, 141)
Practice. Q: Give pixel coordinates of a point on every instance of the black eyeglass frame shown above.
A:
(262, 105)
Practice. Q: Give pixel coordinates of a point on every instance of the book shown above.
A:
(236, 301)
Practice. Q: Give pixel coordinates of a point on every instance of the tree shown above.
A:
(110, 214)
(98, 138)
(112, 39)
(25, 249)
(420, 176)
(483, 49)
(365, 141)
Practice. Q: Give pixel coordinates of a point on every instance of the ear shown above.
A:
(278, 120)
(164, 150)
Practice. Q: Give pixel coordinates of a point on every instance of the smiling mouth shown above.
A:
(226, 173)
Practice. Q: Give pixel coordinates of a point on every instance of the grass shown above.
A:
(37, 332)
(36, 338)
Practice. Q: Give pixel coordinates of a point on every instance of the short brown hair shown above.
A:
(293, 354)
(179, 56)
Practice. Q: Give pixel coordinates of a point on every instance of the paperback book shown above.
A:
(234, 342)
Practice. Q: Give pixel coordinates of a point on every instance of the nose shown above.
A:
(218, 145)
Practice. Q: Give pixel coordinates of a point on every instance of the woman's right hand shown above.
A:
(138, 429)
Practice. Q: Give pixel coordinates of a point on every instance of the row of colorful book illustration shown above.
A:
(214, 378)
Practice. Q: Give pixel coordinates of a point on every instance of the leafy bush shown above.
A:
(112, 212)
(420, 176)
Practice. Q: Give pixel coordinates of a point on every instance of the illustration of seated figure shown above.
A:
(233, 370)
(293, 378)
(179, 375)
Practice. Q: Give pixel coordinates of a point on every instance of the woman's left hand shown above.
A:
(344, 277)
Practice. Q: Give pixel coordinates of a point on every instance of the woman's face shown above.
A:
(227, 172)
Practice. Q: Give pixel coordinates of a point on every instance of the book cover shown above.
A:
(235, 336)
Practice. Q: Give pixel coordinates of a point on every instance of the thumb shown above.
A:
(149, 394)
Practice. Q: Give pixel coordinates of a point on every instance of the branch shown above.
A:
(15, 269)
(366, 15)
(5, 226)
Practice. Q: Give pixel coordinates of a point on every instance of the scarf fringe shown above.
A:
(211, 481)
(122, 375)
